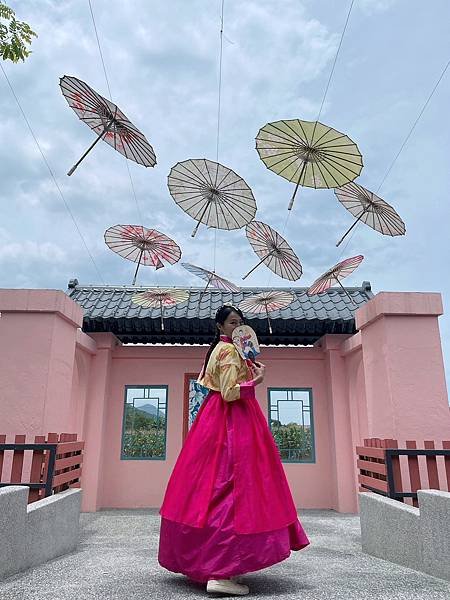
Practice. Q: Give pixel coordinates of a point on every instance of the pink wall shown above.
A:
(140, 483)
(37, 330)
(406, 394)
(385, 381)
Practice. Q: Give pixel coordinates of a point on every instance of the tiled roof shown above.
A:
(109, 308)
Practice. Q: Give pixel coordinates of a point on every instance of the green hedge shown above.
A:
(147, 444)
(293, 440)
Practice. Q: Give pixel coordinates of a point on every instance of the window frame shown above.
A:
(311, 419)
(150, 387)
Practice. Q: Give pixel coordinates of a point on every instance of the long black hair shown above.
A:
(221, 316)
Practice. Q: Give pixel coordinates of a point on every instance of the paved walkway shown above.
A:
(117, 560)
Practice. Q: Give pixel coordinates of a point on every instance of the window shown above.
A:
(291, 422)
(144, 422)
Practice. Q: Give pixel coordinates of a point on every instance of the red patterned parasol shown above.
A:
(330, 277)
(148, 247)
(266, 302)
(108, 122)
(273, 250)
(160, 298)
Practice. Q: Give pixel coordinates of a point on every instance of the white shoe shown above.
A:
(227, 586)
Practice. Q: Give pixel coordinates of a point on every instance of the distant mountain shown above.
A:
(151, 410)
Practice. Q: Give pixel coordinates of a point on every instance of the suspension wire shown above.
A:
(52, 175)
(100, 50)
(214, 250)
(111, 98)
(323, 102)
(220, 81)
(413, 126)
(335, 60)
(422, 110)
(219, 97)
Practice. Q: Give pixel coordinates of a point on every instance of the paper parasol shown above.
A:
(108, 122)
(308, 153)
(211, 278)
(332, 276)
(273, 250)
(148, 247)
(160, 298)
(370, 209)
(266, 302)
(211, 194)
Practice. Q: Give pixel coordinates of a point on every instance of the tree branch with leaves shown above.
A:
(14, 35)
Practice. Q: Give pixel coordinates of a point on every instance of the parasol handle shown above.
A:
(206, 287)
(348, 295)
(268, 319)
(348, 230)
(107, 128)
(256, 266)
(137, 268)
(291, 202)
(199, 220)
(162, 317)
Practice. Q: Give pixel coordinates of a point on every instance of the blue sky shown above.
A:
(162, 62)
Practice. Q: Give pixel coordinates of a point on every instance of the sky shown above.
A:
(162, 61)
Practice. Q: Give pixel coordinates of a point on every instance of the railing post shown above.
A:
(414, 473)
(36, 469)
(393, 472)
(446, 446)
(52, 438)
(17, 462)
(50, 471)
(2, 441)
(433, 477)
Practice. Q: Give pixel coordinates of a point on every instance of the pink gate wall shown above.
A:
(385, 381)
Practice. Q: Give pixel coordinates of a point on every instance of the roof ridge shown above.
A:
(365, 287)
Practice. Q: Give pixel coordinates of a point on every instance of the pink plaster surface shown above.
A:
(385, 381)
(159, 365)
(37, 329)
(399, 303)
(406, 394)
(36, 301)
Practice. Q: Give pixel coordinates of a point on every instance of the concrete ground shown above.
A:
(117, 559)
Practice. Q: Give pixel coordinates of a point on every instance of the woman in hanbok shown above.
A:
(228, 509)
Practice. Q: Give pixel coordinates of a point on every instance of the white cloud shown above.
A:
(28, 253)
(373, 6)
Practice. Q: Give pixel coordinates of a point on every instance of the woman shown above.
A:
(228, 509)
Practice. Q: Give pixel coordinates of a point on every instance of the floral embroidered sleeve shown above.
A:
(229, 364)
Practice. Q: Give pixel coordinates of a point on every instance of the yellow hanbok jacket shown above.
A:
(226, 371)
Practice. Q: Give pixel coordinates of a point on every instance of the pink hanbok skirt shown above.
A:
(217, 551)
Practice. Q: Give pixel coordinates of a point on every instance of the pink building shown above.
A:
(91, 362)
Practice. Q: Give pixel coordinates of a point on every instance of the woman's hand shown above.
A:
(258, 371)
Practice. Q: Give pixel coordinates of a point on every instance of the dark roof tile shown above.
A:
(110, 308)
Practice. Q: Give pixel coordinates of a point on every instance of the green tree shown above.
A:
(14, 35)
